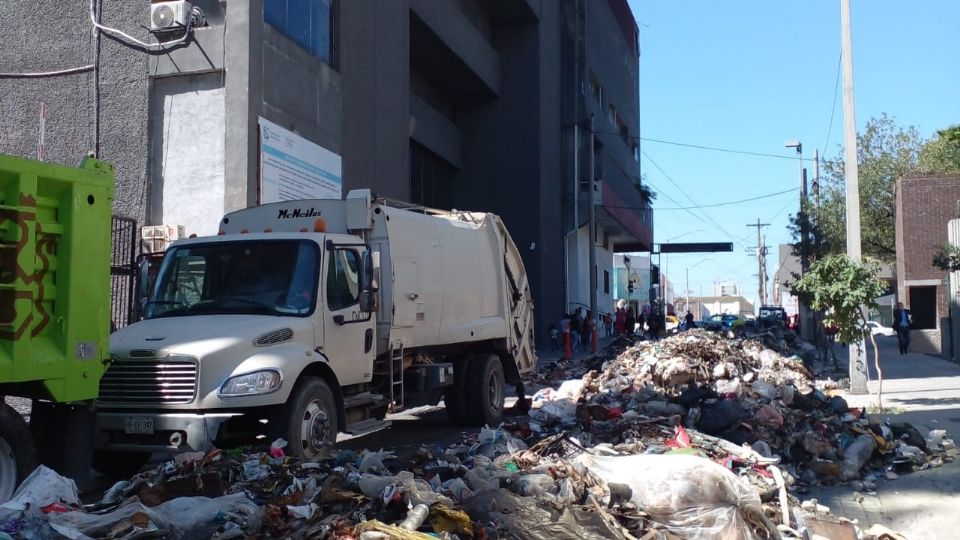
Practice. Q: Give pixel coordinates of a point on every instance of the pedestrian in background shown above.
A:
(588, 327)
(689, 321)
(554, 338)
(607, 325)
(620, 320)
(576, 324)
(630, 320)
(901, 323)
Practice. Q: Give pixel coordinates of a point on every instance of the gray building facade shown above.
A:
(468, 104)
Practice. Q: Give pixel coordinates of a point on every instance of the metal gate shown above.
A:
(123, 271)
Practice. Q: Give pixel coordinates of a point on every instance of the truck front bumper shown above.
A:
(176, 432)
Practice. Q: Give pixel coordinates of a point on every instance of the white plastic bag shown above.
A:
(41, 488)
(694, 497)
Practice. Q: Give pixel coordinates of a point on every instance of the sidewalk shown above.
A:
(921, 505)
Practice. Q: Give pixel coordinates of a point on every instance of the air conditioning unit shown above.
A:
(157, 238)
(168, 16)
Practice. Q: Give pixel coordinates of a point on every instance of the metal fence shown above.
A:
(123, 271)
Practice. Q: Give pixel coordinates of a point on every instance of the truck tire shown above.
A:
(485, 391)
(18, 455)
(309, 419)
(455, 394)
(119, 463)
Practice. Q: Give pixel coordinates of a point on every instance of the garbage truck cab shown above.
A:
(306, 318)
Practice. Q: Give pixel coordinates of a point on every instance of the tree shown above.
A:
(846, 290)
(942, 154)
(885, 152)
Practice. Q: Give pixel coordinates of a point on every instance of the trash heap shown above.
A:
(738, 390)
(694, 437)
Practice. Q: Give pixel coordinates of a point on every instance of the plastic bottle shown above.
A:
(415, 517)
(857, 454)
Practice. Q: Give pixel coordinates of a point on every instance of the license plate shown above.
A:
(138, 425)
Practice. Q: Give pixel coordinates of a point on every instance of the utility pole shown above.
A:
(858, 352)
(592, 213)
(761, 261)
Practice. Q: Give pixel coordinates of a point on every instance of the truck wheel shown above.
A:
(453, 396)
(310, 420)
(118, 463)
(18, 456)
(485, 391)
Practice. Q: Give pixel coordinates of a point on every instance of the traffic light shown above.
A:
(654, 274)
(630, 287)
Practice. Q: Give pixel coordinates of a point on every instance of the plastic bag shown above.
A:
(42, 487)
(533, 484)
(372, 462)
(694, 497)
(856, 455)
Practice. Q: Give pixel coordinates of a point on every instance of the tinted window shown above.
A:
(310, 23)
(250, 277)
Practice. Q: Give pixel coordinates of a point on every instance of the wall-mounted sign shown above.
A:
(293, 168)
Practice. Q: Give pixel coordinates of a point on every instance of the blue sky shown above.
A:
(753, 75)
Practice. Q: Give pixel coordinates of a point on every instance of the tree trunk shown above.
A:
(876, 361)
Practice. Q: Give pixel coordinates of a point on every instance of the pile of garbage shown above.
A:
(694, 437)
(743, 392)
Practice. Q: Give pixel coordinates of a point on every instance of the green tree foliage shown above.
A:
(846, 291)
(885, 152)
(947, 258)
(941, 155)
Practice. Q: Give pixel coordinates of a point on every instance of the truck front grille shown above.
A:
(147, 381)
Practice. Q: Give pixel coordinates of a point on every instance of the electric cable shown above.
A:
(689, 198)
(833, 109)
(41, 74)
(715, 205)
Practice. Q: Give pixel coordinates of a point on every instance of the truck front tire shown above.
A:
(309, 420)
(119, 463)
(485, 391)
(18, 455)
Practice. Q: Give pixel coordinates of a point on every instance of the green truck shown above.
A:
(55, 245)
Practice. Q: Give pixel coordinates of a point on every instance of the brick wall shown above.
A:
(923, 207)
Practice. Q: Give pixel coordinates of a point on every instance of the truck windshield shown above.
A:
(270, 277)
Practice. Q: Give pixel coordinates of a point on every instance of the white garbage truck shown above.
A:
(303, 319)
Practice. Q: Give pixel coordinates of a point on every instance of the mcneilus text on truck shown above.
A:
(303, 319)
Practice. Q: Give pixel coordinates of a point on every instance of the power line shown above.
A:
(728, 203)
(689, 198)
(719, 149)
(700, 146)
(833, 108)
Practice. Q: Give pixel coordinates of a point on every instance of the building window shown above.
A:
(606, 282)
(309, 23)
(431, 178)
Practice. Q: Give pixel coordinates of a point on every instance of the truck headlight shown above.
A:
(251, 384)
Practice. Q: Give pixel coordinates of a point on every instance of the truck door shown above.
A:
(348, 331)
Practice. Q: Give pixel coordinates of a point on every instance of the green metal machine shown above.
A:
(54, 299)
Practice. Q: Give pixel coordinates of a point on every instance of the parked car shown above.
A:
(878, 329)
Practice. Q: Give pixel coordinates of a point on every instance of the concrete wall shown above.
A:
(48, 36)
(375, 68)
(187, 142)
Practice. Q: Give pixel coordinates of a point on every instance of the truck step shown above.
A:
(362, 400)
(367, 426)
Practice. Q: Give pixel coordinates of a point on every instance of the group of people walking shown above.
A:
(581, 325)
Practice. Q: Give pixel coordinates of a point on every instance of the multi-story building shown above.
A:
(468, 104)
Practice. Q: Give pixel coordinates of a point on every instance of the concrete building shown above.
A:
(923, 208)
(470, 104)
(727, 288)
